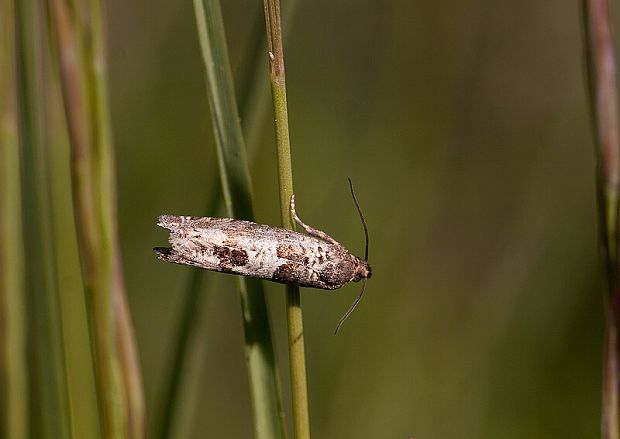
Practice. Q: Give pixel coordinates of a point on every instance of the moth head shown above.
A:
(362, 271)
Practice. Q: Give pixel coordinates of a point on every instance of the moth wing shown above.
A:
(241, 228)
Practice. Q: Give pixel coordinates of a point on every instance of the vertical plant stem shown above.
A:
(96, 272)
(49, 393)
(82, 67)
(13, 365)
(78, 352)
(236, 186)
(128, 354)
(123, 325)
(603, 96)
(253, 93)
(301, 419)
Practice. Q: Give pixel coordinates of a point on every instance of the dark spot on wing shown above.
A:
(293, 273)
(230, 257)
(286, 273)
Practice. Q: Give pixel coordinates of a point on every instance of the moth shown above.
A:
(228, 245)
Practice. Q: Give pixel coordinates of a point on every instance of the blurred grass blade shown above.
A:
(13, 366)
(78, 353)
(106, 188)
(236, 186)
(49, 398)
(82, 66)
(297, 356)
(128, 354)
(601, 68)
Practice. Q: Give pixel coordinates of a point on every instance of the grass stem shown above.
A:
(82, 66)
(301, 419)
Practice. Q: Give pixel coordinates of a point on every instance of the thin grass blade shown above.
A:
(297, 356)
(79, 42)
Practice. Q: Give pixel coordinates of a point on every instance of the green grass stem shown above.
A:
(301, 418)
(78, 353)
(236, 187)
(254, 93)
(82, 66)
(123, 326)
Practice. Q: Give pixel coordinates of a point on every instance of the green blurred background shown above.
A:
(465, 128)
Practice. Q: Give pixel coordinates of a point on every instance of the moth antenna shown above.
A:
(362, 218)
(351, 308)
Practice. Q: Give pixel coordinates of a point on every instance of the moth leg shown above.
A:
(309, 230)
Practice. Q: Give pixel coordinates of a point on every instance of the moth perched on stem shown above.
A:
(235, 246)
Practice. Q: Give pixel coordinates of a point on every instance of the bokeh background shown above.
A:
(465, 128)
